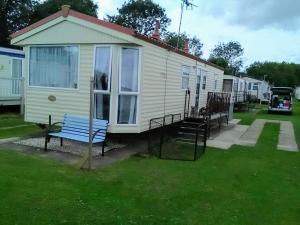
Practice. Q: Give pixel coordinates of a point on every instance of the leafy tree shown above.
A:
(14, 15)
(48, 7)
(141, 15)
(279, 74)
(195, 44)
(231, 52)
(220, 62)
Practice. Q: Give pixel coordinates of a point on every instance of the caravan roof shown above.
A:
(12, 52)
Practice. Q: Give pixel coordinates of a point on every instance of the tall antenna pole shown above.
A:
(187, 4)
(181, 12)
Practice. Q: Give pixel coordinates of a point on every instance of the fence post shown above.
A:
(91, 123)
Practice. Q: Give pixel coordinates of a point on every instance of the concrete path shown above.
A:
(227, 137)
(250, 137)
(286, 140)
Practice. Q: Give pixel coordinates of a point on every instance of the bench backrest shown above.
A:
(77, 125)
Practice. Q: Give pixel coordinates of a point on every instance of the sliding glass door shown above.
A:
(102, 78)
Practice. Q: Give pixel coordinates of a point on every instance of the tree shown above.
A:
(49, 7)
(195, 44)
(279, 74)
(220, 62)
(231, 52)
(14, 15)
(141, 15)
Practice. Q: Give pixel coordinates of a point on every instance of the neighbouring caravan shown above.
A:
(11, 61)
(236, 86)
(297, 93)
(136, 77)
(258, 89)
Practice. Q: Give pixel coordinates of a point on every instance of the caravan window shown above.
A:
(249, 86)
(185, 77)
(16, 68)
(216, 81)
(204, 82)
(255, 87)
(54, 66)
(129, 86)
(102, 77)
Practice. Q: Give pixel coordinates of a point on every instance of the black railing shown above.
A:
(241, 96)
(217, 102)
(170, 137)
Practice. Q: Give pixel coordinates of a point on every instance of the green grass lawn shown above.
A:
(8, 121)
(242, 186)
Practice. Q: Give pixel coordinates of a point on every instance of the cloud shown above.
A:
(255, 14)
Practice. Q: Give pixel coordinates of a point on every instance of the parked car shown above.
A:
(281, 100)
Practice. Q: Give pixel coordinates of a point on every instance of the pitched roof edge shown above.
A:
(37, 24)
(176, 50)
(115, 27)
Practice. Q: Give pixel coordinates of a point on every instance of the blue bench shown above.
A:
(76, 128)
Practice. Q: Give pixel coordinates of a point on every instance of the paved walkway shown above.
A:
(287, 139)
(248, 136)
(227, 137)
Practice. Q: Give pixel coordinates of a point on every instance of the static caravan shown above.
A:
(136, 78)
(11, 61)
(258, 89)
(236, 86)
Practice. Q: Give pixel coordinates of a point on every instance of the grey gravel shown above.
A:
(72, 147)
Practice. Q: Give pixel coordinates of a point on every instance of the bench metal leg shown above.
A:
(61, 142)
(102, 149)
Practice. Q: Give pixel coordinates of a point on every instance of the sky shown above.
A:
(268, 30)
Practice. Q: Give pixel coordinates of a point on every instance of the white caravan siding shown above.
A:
(212, 74)
(161, 83)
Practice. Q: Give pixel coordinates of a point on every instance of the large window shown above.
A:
(185, 76)
(54, 66)
(102, 76)
(129, 86)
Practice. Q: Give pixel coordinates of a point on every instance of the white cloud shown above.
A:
(266, 29)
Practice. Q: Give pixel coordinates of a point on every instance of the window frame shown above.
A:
(216, 81)
(127, 93)
(255, 84)
(204, 83)
(53, 88)
(108, 91)
(185, 76)
(22, 66)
